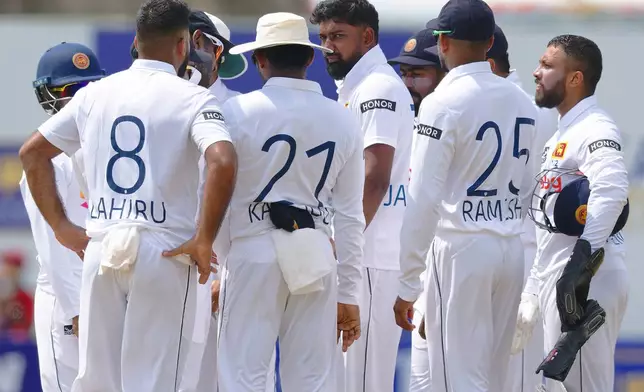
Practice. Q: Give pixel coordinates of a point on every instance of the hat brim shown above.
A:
(414, 61)
(75, 79)
(251, 46)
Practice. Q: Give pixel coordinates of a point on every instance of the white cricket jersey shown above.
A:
(589, 141)
(60, 268)
(547, 123)
(295, 145)
(377, 95)
(470, 171)
(142, 132)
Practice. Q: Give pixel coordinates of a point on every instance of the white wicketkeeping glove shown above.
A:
(526, 320)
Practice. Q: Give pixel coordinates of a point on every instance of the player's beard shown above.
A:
(340, 68)
(551, 98)
(417, 100)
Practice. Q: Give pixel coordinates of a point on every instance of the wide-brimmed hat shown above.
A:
(277, 29)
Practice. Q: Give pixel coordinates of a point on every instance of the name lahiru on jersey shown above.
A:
(129, 209)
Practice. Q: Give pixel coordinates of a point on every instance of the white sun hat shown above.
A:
(277, 29)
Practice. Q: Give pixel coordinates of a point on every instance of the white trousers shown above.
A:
(594, 368)
(473, 288)
(256, 309)
(135, 326)
(419, 380)
(370, 363)
(57, 345)
(522, 376)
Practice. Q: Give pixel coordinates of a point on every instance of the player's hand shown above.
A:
(72, 237)
(421, 329)
(75, 326)
(200, 253)
(404, 312)
(348, 324)
(526, 320)
(214, 293)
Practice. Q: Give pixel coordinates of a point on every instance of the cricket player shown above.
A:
(300, 166)
(148, 130)
(587, 143)
(371, 89)
(470, 176)
(62, 71)
(521, 373)
(421, 72)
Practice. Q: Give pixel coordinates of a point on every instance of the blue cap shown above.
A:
(499, 48)
(570, 209)
(466, 20)
(67, 63)
(419, 50)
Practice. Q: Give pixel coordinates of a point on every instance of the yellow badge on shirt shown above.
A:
(559, 151)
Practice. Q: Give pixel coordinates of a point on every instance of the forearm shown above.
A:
(41, 180)
(220, 177)
(374, 193)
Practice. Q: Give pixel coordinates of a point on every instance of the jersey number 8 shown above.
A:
(131, 154)
(326, 146)
(474, 189)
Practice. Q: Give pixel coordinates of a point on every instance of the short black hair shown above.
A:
(503, 63)
(352, 12)
(161, 17)
(586, 54)
(287, 57)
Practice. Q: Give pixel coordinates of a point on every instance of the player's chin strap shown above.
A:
(580, 317)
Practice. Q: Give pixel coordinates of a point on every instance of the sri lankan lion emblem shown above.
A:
(80, 61)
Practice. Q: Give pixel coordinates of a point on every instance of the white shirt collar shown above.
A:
(153, 65)
(297, 84)
(373, 58)
(463, 70)
(577, 110)
(514, 77)
(219, 90)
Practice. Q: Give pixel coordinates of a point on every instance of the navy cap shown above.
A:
(499, 48)
(200, 21)
(570, 209)
(467, 20)
(67, 63)
(419, 50)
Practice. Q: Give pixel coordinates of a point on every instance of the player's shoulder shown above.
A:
(383, 83)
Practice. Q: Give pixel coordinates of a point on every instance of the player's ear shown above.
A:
(576, 79)
(195, 39)
(368, 37)
(443, 43)
(259, 59)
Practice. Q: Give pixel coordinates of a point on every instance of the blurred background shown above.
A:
(29, 27)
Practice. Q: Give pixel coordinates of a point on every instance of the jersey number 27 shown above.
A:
(328, 146)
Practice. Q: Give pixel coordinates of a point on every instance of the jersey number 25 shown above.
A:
(474, 190)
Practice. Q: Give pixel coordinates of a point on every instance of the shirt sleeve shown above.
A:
(209, 125)
(349, 223)
(380, 114)
(61, 129)
(430, 163)
(601, 160)
(59, 263)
